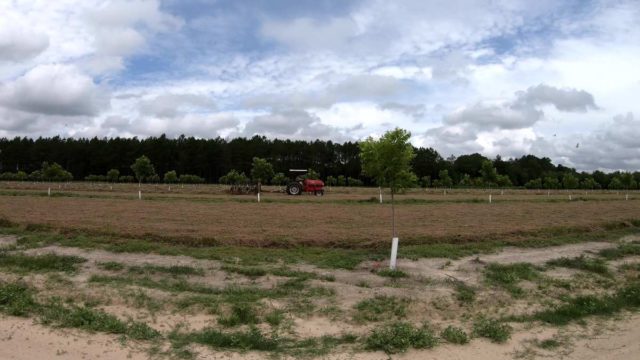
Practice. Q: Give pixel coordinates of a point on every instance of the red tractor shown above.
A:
(302, 184)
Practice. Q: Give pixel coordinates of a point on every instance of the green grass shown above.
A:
(621, 251)
(172, 270)
(581, 262)
(252, 272)
(508, 276)
(252, 339)
(394, 274)
(275, 318)
(19, 300)
(241, 314)
(22, 263)
(454, 335)
(464, 293)
(579, 307)
(398, 337)
(548, 344)
(381, 308)
(111, 266)
(492, 329)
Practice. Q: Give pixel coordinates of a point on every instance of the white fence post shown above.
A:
(380, 188)
(394, 253)
(489, 198)
(139, 194)
(49, 191)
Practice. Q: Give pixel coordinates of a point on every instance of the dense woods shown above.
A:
(338, 162)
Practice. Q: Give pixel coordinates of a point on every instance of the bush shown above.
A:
(492, 329)
(126, 179)
(399, 336)
(191, 179)
(455, 335)
(170, 177)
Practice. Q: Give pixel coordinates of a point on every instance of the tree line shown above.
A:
(190, 159)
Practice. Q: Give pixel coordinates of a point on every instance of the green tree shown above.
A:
(503, 181)
(615, 184)
(55, 172)
(388, 162)
(261, 170)
(425, 181)
(113, 175)
(488, 172)
(444, 178)
(551, 182)
(279, 179)
(627, 180)
(534, 184)
(569, 181)
(143, 169)
(234, 177)
(341, 180)
(331, 181)
(170, 177)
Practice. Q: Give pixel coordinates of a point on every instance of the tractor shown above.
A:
(301, 184)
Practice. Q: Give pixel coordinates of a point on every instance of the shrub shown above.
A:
(399, 336)
(492, 329)
(455, 335)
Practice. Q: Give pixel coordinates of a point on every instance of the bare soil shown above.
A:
(322, 224)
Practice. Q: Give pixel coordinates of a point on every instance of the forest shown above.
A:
(338, 163)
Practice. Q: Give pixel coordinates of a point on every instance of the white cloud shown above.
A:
(54, 90)
(19, 42)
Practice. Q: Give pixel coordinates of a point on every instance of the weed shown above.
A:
(492, 329)
(252, 339)
(508, 276)
(173, 270)
(397, 337)
(620, 251)
(465, 293)
(394, 274)
(581, 262)
(39, 263)
(275, 318)
(16, 299)
(363, 284)
(454, 335)
(548, 344)
(380, 308)
(111, 266)
(252, 272)
(241, 314)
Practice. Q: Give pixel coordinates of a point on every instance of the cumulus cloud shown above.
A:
(572, 100)
(293, 124)
(19, 42)
(174, 105)
(54, 90)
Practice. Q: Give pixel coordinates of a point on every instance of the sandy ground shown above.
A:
(22, 339)
(602, 339)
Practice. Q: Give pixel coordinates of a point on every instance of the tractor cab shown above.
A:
(301, 184)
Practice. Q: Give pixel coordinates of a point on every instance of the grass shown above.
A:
(22, 263)
(508, 276)
(394, 274)
(464, 293)
(492, 329)
(579, 307)
(381, 308)
(19, 300)
(241, 314)
(252, 272)
(454, 335)
(398, 337)
(620, 251)
(548, 344)
(594, 265)
(252, 339)
(172, 270)
(111, 266)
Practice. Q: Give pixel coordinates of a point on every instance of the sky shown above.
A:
(559, 79)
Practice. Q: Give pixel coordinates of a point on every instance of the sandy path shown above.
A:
(22, 339)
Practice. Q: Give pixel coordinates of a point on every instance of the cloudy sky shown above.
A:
(552, 78)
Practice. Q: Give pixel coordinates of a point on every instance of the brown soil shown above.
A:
(325, 224)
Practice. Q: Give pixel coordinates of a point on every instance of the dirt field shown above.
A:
(141, 287)
(345, 218)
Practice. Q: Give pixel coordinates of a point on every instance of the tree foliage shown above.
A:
(261, 170)
(388, 160)
(143, 168)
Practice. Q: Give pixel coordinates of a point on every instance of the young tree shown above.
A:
(113, 175)
(444, 178)
(170, 177)
(143, 168)
(331, 181)
(279, 179)
(569, 181)
(388, 162)
(261, 170)
(488, 172)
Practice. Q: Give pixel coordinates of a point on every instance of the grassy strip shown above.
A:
(18, 300)
(173, 270)
(37, 235)
(581, 262)
(576, 308)
(381, 308)
(508, 276)
(397, 337)
(623, 250)
(22, 263)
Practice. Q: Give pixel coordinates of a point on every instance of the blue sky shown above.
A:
(552, 78)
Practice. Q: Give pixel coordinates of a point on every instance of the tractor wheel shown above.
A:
(294, 189)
